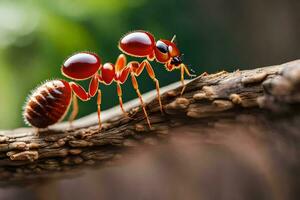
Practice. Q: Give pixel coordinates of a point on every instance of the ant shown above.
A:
(49, 103)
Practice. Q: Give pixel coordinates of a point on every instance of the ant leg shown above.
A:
(119, 91)
(136, 87)
(120, 63)
(152, 76)
(99, 109)
(75, 109)
(94, 84)
(78, 91)
(137, 70)
(182, 79)
(187, 71)
(121, 77)
(183, 69)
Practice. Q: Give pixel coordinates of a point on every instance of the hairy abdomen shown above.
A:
(48, 103)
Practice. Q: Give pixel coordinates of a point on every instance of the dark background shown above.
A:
(37, 36)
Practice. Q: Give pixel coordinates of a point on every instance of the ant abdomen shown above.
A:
(48, 103)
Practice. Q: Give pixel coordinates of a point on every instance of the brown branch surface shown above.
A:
(265, 99)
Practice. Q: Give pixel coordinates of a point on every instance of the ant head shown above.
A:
(167, 51)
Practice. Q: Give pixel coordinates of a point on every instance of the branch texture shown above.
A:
(265, 99)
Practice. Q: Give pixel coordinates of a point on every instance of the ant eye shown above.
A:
(162, 47)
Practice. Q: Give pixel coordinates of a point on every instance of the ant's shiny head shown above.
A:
(167, 51)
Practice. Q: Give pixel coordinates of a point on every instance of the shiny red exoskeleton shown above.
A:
(49, 103)
(143, 44)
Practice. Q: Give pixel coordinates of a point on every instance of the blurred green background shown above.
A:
(37, 35)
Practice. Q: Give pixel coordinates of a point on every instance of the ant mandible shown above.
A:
(142, 44)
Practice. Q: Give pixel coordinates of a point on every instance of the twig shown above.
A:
(207, 101)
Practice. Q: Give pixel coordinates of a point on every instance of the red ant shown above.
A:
(49, 103)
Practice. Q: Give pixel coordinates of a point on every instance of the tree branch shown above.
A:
(209, 101)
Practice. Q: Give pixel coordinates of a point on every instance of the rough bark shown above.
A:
(265, 100)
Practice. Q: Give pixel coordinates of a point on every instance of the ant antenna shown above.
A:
(173, 38)
(192, 70)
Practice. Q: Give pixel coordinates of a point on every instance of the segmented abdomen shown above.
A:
(48, 103)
